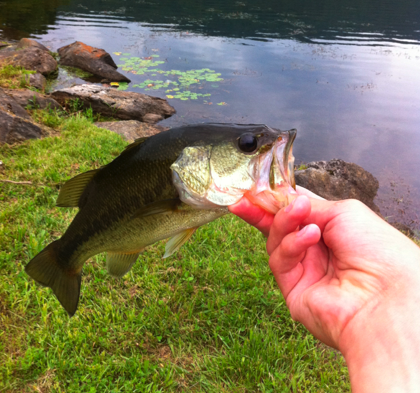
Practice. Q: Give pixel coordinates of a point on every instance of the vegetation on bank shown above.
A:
(208, 319)
(12, 77)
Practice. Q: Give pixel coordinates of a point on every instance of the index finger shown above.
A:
(253, 215)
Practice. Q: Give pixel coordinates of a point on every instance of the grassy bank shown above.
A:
(208, 319)
(12, 77)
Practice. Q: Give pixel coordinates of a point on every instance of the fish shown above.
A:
(163, 186)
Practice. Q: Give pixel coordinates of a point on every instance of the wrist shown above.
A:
(381, 346)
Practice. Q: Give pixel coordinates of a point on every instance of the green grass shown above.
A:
(12, 77)
(209, 319)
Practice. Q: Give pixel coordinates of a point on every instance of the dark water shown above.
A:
(345, 73)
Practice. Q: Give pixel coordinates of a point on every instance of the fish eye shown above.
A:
(248, 143)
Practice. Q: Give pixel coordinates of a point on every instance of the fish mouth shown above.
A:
(288, 159)
(273, 174)
(282, 164)
(273, 168)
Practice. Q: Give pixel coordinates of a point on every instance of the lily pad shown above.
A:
(123, 86)
(181, 81)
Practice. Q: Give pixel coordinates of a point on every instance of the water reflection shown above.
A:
(22, 18)
(305, 20)
(323, 21)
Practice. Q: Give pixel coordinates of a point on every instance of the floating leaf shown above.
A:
(185, 80)
(117, 53)
(222, 103)
(170, 96)
(123, 86)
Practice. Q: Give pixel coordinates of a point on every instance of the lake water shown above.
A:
(345, 73)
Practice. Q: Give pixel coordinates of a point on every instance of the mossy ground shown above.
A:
(12, 77)
(209, 319)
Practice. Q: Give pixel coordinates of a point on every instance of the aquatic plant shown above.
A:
(123, 86)
(178, 82)
(74, 72)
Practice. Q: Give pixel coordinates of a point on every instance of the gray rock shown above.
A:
(15, 129)
(122, 105)
(90, 59)
(15, 123)
(336, 180)
(131, 129)
(32, 98)
(31, 58)
(11, 106)
(38, 81)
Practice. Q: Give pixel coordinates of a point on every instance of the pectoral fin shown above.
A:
(177, 241)
(119, 264)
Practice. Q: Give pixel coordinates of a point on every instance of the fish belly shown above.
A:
(138, 233)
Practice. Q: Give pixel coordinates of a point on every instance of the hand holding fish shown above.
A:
(353, 281)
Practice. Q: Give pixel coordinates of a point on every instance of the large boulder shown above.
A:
(96, 61)
(31, 57)
(11, 106)
(130, 130)
(15, 123)
(32, 98)
(336, 179)
(38, 81)
(14, 129)
(122, 105)
(29, 43)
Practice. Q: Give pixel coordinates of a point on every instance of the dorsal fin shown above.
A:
(136, 143)
(72, 190)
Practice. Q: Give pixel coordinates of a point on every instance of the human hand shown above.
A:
(348, 286)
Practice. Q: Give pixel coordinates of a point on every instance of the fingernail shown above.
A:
(289, 207)
(302, 231)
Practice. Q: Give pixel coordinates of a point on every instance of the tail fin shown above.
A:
(46, 270)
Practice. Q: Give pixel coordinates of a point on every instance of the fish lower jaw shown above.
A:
(272, 200)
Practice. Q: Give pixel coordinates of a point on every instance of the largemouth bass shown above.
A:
(160, 187)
